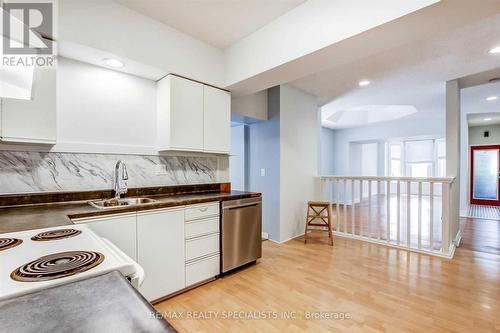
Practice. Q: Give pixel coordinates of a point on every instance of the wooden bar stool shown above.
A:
(319, 210)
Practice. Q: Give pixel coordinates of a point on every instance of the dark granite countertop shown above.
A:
(28, 217)
(105, 303)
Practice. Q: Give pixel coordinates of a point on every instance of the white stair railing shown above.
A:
(403, 212)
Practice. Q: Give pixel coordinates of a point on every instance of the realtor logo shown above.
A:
(22, 24)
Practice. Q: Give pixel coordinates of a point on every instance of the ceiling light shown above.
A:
(364, 83)
(495, 50)
(113, 63)
(487, 119)
(491, 98)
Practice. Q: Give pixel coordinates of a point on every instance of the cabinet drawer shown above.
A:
(202, 246)
(196, 212)
(202, 270)
(202, 227)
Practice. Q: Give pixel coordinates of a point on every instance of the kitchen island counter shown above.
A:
(105, 303)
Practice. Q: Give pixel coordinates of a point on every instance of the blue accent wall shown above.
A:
(263, 147)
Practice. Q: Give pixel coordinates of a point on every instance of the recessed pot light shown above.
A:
(113, 63)
(495, 50)
(364, 83)
(491, 98)
(487, 119)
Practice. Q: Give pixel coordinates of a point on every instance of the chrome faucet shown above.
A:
(121, 176)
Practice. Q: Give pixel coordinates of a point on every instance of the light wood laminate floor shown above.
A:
(381, 289)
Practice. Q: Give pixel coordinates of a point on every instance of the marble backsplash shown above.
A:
(22, 172)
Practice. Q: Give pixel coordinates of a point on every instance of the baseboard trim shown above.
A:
(399, 247)
(291, 238)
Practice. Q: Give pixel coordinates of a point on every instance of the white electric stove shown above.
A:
(38, 259)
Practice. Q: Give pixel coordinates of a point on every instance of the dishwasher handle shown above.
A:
(242, 206)
(241, 203)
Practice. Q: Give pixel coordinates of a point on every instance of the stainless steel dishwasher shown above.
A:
(241, 232)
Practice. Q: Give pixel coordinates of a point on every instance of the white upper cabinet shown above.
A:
(31, 121)
(217, 120)
(192, 116)
(180, 114)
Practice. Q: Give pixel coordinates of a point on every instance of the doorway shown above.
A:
(485, 172)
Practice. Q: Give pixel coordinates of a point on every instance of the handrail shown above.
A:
(446, 180)
(401, 209)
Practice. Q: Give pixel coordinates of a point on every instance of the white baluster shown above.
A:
(345, 206)
(398, 216)
(419, 215)
(370, 209)
(408, 213)
(388, 211)
(353, 213)
(361, 207)
(431, 217)
(337, 198)
(379, 220)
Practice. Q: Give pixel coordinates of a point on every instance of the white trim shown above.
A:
(14, 140)
(384, 243)
(446, 180)
(289, 239)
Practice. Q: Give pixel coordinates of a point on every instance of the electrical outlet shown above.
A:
(262, 172)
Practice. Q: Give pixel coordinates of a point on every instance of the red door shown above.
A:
(485, 175)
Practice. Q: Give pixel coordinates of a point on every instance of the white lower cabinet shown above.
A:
(202, 269)
(119, 229)
(202, 234)
(160, 251)
(177, 247)
(202, 246)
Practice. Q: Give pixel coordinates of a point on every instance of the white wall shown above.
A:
(237, 159)
(327, 151)
(108, 26)
(476, 135)
(299, 143)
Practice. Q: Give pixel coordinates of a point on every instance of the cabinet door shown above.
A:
(120, 230)
(186, 114)
(32, 121)
(217, 120)
(160, 251)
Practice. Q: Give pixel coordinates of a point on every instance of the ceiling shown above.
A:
(473, 101)
(216, 22)
(413, 73)
(483, 119)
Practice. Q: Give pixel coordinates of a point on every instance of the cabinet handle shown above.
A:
(203, 209)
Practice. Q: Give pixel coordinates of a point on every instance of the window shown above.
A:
(419, 158)
(416, 158)
(395, 159)
(441, 158)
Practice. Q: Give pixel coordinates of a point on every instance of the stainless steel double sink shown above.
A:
(121, 202)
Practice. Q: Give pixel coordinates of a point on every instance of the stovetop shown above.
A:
(68, 248)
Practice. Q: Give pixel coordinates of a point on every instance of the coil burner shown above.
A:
(7, 243)
(57, 265)
(56, 234)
